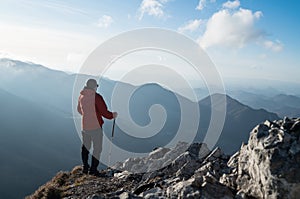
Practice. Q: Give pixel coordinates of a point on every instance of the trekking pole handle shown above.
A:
(113, 128)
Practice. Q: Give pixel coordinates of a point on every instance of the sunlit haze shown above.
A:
(245, 39)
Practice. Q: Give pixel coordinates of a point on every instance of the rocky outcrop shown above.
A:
(266, 167)
(269, 165)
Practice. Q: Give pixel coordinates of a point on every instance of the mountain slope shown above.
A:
(37, 83)
(239, 119)
(35, 141)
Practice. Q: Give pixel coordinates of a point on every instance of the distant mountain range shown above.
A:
(282, 104)
(38, 134)
(239, 118)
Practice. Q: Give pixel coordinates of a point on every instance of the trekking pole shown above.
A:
(111, 141)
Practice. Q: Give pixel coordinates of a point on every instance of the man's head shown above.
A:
(92, 84)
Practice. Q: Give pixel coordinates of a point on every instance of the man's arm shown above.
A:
(102, 108)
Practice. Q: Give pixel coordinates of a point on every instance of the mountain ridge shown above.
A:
(282, 104)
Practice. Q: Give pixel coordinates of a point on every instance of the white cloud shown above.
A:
(231, 4)
(276, 46)
(191, 25)
(152, 8)
(231, 29)
(202, 4)
(105, 21)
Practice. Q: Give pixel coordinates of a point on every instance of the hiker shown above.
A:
(92, 107)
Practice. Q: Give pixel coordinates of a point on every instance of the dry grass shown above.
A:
(52, 189)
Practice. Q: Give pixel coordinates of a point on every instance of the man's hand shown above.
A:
(115, 114)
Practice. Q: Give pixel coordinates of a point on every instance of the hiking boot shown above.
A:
(85, 157)
(96, 173)
(85, 169)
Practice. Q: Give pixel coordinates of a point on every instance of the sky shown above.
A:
(243, 38)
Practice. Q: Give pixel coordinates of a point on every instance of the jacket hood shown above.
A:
(87, 91)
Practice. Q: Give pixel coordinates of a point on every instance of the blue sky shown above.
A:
(246, 38)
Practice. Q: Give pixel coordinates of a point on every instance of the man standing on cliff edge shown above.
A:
(92, 107)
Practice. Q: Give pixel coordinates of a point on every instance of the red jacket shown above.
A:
(92, 108)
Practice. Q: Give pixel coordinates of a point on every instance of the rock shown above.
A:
(207, 187)
(126, 195)
(295, 148)
(152, 193)
(144, 188)
(241, 195)
(287, 123)
(274, 138)
(216, 153)
(268, 166)
(296, 127)
(179, 189)
(95, 196)
(198, 150)
(158, 153)
(216, 190)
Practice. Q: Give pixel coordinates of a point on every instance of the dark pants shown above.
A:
(94, 137)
